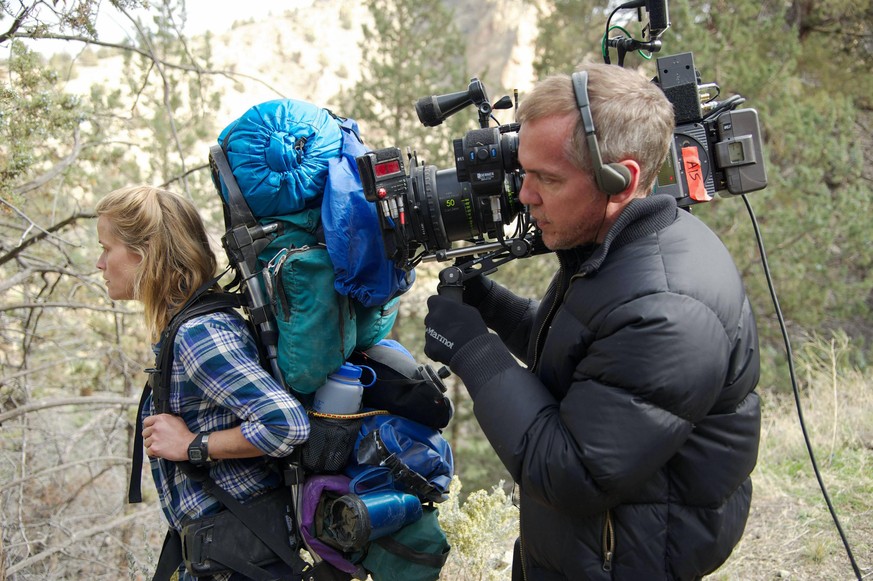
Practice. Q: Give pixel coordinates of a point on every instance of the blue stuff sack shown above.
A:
(352, 231)
(279, 153)
(396, 452)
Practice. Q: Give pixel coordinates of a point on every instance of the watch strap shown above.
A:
(198, 449)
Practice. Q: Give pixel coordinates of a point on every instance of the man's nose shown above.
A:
(527, 196)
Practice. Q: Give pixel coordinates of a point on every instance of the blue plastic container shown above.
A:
(343, 391)
(355, 520)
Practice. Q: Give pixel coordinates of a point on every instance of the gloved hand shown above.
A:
(449, 326)
(476, 288)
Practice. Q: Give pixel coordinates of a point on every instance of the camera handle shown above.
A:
(451, 284)
(451, 279)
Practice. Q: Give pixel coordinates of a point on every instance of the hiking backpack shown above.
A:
(319, 290)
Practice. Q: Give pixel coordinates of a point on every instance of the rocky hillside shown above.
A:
(311, 53)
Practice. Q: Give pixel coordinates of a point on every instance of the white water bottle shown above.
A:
(342, 393)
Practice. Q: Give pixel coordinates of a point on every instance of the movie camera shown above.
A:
(424, 210)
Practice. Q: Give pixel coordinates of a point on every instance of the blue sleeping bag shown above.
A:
(279, 153)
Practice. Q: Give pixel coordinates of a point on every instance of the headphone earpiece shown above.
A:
(612, 178)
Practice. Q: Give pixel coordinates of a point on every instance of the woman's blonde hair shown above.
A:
(167, 232)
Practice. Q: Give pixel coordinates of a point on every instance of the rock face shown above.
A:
(312, 52)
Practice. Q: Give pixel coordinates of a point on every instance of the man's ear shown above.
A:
(630, 191)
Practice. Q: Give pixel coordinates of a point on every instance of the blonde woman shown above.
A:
(224, 407)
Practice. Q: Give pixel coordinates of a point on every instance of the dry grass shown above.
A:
(790, 533)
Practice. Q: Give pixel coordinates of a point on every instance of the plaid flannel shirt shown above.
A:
(217, 383)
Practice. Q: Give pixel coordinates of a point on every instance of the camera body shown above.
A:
(715, 149)
(422, 210)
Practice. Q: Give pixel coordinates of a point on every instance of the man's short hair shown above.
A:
(633, 118)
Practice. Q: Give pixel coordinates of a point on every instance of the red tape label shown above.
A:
(694, 174)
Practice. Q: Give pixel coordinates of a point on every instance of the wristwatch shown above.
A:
(198, 450)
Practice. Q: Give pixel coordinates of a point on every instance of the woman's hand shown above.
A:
(166, 436)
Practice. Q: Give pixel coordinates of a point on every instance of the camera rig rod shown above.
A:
(490, 257)
(624, 45)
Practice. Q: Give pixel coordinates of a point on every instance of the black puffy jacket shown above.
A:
(634, 427)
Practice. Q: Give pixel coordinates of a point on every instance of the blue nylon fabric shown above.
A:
(279, 153)
(420, 448)
(352, 231)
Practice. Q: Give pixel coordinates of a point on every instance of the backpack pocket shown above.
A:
(315, 323)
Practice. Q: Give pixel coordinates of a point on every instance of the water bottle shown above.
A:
(343, 391)
(352, 521)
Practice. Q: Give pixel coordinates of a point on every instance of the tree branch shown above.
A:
(24, 373)
(169, 182)
(16, 24)
(111, 460)
(43, 233)
(64, 306)
(64, 401)
(147, 54)
(77, 537)
(55, 171)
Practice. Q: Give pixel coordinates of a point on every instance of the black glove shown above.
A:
(449, 326)
(476, 288)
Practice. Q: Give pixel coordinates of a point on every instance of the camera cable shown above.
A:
(796, 390)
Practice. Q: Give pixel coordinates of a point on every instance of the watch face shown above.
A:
(197, 451)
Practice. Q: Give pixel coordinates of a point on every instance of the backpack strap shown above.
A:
(170, 557)
(239, 212)
(394, 546)
(239, 510)
(160, 375)
(158, 383)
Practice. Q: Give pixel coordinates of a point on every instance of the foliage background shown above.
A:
(105, 112)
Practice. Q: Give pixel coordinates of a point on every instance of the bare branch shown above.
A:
(127, 47)
(77, 537)
(43, 232)
(16, 24)
(55, 171)
(64, 401)
(27, 271)
(110, 460)
(65, 306)
(166, 93)
(169, 182)
(25, 372)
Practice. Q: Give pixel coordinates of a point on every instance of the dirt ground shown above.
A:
(787, 539)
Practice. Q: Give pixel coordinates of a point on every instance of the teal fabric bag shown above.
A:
(372, 324)
(417, 552)
(318, 327)
(316, 324)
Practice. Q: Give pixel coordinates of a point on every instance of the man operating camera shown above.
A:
(632, 425)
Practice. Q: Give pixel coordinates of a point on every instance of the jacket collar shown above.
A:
(641, 217)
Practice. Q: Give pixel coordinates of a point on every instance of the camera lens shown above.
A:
(443, 208)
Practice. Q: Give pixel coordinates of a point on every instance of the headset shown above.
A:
(612, 178)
